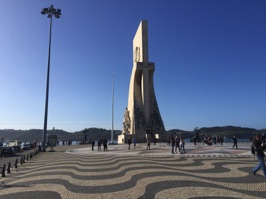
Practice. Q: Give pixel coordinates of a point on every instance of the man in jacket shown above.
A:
(259, 148)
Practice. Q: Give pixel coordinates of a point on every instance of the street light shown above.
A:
(51, 11)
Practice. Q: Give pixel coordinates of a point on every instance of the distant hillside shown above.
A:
(98, 133)
(36, 134)
(227, 131)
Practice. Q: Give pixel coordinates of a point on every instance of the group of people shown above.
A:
(177, 143)
(212, 140)
(69, 142)
(129, 141)
(134, 141)
(100, 142)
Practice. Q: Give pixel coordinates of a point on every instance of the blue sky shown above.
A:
(209, 57)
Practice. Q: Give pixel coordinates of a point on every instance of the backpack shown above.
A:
(253, 150)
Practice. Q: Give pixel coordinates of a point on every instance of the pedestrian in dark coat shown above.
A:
(135, 142)
(105, 143)
(235, 142)
(129, 141)
(92, 145)
(259, 148)
(173, 143)
(177, 142)
(99, 144)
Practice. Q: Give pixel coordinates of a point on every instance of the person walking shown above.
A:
(263, 138)
(99, 144)
(194, 140)
(105, 143)
(177, 142)
(129, 143)
(259, 148)
(148, 145)
(135, 142)
(235, 142)
(182, 145)
(92, 145)
(173, 143)
(154, 140)
(221, 140)
(169, 141)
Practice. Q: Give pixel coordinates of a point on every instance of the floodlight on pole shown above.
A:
(51, 11)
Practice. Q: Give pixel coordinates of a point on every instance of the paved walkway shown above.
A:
(161, 149)
(78, 172)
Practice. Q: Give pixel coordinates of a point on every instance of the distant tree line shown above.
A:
(99, 133)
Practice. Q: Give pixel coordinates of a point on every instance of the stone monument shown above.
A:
(142, 118)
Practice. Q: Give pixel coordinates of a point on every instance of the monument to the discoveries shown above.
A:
(142, 118)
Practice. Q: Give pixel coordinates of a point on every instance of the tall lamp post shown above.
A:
(112, 132)
(51, 11)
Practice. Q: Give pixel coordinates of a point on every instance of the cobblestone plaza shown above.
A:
(78, 172)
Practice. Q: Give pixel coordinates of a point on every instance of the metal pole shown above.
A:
(112, 132)
(47, 91)
(57, 13)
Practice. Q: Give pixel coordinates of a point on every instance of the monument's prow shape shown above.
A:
(142, 118)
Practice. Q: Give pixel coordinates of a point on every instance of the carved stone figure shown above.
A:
(126, 122)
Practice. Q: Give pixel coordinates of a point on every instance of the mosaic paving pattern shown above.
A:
(64, 175)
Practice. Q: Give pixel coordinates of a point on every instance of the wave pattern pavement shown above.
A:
(133, 175)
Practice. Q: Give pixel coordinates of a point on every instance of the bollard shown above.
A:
(4, 171)
(24, 158)
(21, 160)
(16, 164)
(9, 168)
(30, 155)
(27, 157)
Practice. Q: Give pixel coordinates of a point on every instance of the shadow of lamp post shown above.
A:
(51, 11)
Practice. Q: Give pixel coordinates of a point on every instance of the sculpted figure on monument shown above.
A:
(126, 122)
(137, 54)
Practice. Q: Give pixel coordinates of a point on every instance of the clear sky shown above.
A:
(210, 59)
